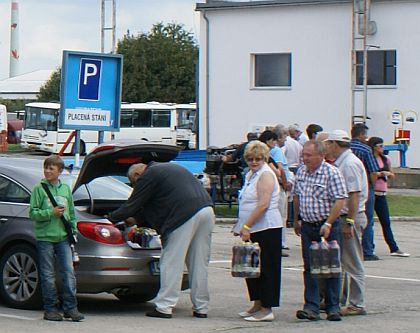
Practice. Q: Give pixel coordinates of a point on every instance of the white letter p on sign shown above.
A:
(90, 70)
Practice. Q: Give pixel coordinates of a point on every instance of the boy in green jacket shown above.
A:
(52, 241)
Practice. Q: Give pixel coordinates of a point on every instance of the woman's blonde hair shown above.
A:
(256, 149)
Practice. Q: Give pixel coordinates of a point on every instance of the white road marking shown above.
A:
(16, 317)
(301, 270)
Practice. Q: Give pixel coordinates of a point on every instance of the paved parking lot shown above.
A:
(393, 293)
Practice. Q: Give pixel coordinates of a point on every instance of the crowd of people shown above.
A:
(327, 184)
(334, 182)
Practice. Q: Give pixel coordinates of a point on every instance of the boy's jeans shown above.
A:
(47, 252)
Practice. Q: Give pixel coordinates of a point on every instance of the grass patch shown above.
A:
(226, 211)
(399, 205)
(15, 148)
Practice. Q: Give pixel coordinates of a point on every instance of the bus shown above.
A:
(152, 121)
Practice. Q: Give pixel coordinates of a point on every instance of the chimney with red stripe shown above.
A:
(14, 40)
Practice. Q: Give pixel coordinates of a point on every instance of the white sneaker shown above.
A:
(400, 253)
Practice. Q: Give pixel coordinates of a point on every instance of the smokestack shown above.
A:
(14, 40)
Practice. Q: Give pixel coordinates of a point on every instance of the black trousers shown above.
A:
(266, 288)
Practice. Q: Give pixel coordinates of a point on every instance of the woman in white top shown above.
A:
(260, 221)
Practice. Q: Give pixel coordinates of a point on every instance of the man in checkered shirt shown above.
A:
(319, 195)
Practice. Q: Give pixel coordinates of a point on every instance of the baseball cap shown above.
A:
(338, 135)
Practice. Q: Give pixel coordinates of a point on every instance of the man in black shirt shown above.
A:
(172, 201)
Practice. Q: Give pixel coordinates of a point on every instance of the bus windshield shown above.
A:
(186, 119)
(41, 118)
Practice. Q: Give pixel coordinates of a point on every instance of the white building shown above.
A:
(25, 86)
(307, 45)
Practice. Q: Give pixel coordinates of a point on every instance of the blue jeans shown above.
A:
(368, 243)
(381, 209)
(310, 233)
(47, 252)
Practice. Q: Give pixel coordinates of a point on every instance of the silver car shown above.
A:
(107, 262)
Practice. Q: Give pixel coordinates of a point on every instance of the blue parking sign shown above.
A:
(90, 91)
(89, 79)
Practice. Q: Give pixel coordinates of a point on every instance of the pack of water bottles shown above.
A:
(325, 261)
(246, 260)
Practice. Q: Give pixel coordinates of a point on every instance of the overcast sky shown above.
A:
(47, 27)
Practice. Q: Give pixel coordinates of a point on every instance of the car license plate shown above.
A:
(155, 267)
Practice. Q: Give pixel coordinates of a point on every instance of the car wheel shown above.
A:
(136, 298)
(20, 286)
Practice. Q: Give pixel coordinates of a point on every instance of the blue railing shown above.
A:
(401, 148)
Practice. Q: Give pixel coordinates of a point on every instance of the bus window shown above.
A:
(142, 118)
(126, 119)
(161, 118)
(41, 119)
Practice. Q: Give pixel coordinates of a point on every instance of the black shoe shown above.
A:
(372, 257)
(74, 314)
(199, 315)
(305, 314)
(53, 316)
(157, 314)
(334, 316)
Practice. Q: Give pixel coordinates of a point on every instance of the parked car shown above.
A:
(14, 131)
(107, 261)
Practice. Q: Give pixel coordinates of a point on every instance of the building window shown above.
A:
(382, 68)
(272, 70)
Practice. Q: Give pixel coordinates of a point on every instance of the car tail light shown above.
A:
(101, 232)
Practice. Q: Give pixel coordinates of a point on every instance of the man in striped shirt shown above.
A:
(364, 153)
(319, 195)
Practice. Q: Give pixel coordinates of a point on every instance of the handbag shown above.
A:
(246, 260)
(67, 226)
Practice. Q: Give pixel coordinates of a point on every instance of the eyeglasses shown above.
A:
(380, 145)
(254, 159)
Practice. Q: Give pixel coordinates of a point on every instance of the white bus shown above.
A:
(154, 122)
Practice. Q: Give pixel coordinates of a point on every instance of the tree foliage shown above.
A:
(50, 91)
(157, 66)
(14, 104)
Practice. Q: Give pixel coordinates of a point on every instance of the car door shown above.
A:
(14, 211)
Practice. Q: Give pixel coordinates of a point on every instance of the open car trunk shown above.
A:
(115, 157)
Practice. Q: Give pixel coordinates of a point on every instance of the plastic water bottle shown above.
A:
(315, 259)
(237, 261)
(75, 257)
(335, 260)
(325, 259)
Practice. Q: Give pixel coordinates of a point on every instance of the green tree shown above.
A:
(50, 91)
(157, 66)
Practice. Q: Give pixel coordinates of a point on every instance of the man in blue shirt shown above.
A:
(364, 153)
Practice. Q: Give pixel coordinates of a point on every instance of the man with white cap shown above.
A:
(353, 218)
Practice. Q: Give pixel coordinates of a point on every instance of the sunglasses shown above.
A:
(254, 159)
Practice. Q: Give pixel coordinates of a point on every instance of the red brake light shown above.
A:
(101, 232)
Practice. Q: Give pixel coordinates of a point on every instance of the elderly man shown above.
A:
(171, 200)
(353, 218)
(296, 133)
(364, 153)
(319, 195)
